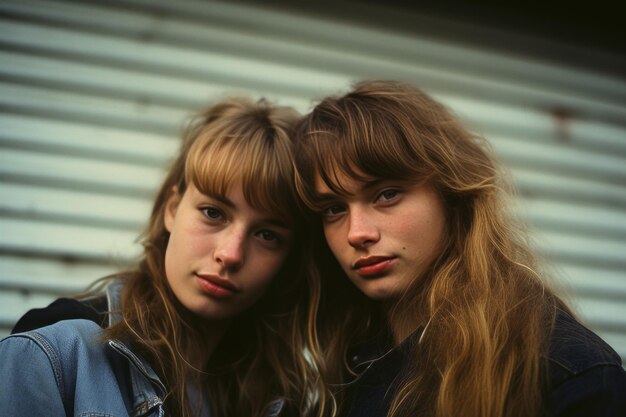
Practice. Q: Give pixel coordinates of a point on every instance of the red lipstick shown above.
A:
(216, 286)
(373, 265)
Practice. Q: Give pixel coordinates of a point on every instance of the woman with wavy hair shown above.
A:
(444, 311)
(212, 322)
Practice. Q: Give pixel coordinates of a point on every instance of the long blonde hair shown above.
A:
(489, 315)
(260, 358)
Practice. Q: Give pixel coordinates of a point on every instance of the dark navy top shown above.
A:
(585, 375)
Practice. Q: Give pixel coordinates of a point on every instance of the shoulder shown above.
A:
(69, 365)
(96, 307)
(39, 367)
(64, 336)
(66, 346)
(69, 348)
(575, 349)
(585, 374)
(57, 351)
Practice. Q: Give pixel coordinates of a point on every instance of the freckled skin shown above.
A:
(236, 243)
(405, 223)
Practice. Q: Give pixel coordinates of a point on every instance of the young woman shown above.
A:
(443, 312)
(210, 323)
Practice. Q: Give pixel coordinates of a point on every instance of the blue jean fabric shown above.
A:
(68, 369)
(58, 364)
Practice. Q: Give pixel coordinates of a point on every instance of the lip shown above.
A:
(373, 265)
(216, 286)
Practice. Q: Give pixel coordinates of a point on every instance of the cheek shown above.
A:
(191, 241)
(266, 268)
(333, 238)
(181, 253)
(171, 266)
(436, 229)
(170, 249)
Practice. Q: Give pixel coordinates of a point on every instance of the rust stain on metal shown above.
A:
(562, 117)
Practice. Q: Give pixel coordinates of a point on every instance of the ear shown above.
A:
(171, 205)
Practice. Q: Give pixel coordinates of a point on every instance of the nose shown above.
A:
(230, 249)
(363, 231)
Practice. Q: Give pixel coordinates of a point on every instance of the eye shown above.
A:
(270, 239)
(212, 213)
(268, 236)
(387, 195)
(333, 210)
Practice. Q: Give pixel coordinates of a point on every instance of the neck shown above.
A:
(402, 321)
(197, 354)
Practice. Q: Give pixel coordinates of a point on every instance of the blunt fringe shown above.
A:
(487, 313)
(260, 358)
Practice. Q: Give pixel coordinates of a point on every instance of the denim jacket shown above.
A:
(585, 376)
(67, 369)
(77, 373)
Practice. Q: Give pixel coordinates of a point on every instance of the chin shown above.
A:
(380, 295)
(214, 315)
(210, 312)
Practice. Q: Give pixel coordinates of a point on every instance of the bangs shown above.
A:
(357, 142)
(263, 167)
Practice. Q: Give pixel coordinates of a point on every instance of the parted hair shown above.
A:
(486, 312)
(260, 358)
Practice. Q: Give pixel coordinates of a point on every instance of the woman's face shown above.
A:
(385, 234)
(222, 253)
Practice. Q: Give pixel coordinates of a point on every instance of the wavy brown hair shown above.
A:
(487, 313)
(260, 358)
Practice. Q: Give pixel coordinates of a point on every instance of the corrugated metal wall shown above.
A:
(93, 96)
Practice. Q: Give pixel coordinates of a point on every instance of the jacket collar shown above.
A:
(114, 294)
(144, 380)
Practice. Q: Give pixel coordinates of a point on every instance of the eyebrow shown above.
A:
(271, 221)
(373, 183)
(221, 199)
(365, 185)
